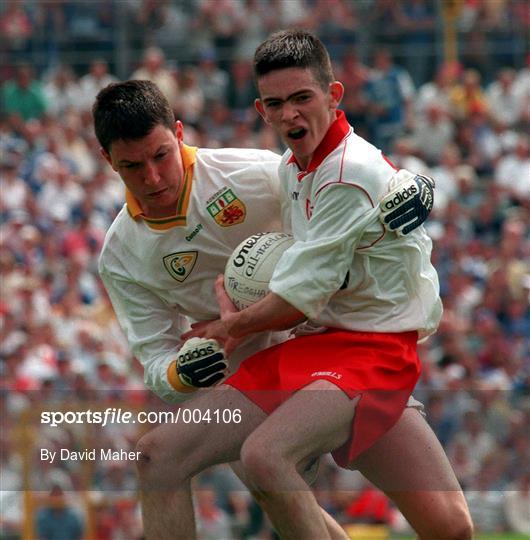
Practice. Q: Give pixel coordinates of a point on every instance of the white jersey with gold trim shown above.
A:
(160, 273)
(345, 270)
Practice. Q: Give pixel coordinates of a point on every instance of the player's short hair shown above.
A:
(294, 48)
(130, 110)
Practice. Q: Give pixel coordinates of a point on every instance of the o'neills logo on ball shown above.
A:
(401, 196)
(196, 353)
(251, 260)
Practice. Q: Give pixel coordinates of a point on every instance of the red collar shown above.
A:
(336, 132)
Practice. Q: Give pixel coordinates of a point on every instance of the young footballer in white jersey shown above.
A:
(342, 389)
(185, 213)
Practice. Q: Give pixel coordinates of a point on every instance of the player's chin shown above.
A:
(164, 199)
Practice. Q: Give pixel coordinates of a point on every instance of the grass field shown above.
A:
(364, 532)
(499, 536)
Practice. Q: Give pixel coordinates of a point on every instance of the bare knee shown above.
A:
(456, 524)
(158, 464)
(149, 463)
(460, 526)
(263, 468)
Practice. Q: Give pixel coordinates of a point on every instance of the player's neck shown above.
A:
(159, 212)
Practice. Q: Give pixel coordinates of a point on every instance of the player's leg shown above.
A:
(172, 454)
(308, 472)
(312, 422)
(410, 466)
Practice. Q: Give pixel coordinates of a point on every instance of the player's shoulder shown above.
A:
(357, 161)
(236, 157)
(116, 236)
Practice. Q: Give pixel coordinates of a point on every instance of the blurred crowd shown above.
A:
(465, 123)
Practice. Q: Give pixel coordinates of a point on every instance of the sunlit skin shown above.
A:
(151, 168)
(298, 108)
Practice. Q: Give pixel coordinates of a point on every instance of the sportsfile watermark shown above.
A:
(100, 445)
(117, 415)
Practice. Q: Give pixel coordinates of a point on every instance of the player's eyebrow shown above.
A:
(290, 96)
(161, 148)
(128, 162)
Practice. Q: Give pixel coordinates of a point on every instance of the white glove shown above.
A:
(409, 203)
(201, 362)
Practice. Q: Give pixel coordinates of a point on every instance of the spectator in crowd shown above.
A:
(505, 99)
(517, 504)
(337, 24)
(74, 149)
(467, 96)
(436, 91)
(224, 18)
(62, 91)
(258, 20)
(405, 155)
(486, 504)
(240, 92)
(432, 133)
(15, 192)
(354, 103)
(98, 77)
(212, 521)
(389, 93)
(474, 438)
(384, 23)
(190, 104)
(417, 21)
(15, 26)
(56, 520)
(153, 68)
(513, 171)
(23, 97)
(213, 80)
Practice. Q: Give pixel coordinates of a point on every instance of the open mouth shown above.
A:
(297, 133)
(157, 193)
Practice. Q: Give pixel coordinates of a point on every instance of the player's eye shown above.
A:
(130, 166)
(302, 97)
(161, 156)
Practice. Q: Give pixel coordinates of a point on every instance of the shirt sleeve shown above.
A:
(311, 271)
(152, 329)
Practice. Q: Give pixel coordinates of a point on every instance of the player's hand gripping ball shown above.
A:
(250, 267)
(201, 362)
(409, 203)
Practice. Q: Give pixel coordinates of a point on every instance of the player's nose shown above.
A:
(152, 176)
(289, 112)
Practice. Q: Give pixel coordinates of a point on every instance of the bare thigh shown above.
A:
(409, 464)
(314, 421)
(186, 448)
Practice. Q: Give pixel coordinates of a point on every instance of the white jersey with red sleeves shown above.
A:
(160, 273)
(345, 270)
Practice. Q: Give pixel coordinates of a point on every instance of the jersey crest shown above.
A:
(227, 209)
(179, 265)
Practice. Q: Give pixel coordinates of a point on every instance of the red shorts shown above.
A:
(381, 368)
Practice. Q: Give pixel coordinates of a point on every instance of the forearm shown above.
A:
(271, 313)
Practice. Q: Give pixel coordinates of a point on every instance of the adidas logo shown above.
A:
(196, 353)
(401, 196)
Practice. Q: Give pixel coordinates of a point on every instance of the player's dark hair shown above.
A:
(130, 110)
(294, 48)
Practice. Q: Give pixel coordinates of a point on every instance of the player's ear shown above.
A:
(179, 132)
(336, 92)
(261, 111)
(107, 158)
